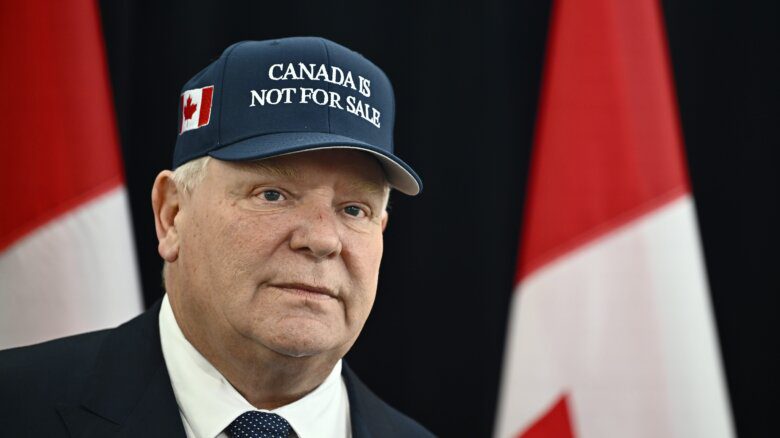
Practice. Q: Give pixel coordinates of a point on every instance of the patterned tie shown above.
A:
(255, 424)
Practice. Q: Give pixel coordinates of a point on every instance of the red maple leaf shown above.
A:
(189, 109)
(555, 423)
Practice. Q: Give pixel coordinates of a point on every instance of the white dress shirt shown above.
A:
(208, 403)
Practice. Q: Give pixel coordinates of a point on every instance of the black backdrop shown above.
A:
(466, 76)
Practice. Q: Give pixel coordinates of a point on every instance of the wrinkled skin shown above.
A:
(273, 267)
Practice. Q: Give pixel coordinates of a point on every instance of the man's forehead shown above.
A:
(271, 166)
(292, 168)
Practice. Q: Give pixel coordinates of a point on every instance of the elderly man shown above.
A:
(270, 227)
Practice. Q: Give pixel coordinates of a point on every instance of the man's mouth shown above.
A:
(307, 290)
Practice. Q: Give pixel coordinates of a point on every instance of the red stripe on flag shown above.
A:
(555, 423)
(608, 145)
(59, 143)
(181, 113)
(205, 106)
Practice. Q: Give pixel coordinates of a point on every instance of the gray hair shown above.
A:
(190, 174)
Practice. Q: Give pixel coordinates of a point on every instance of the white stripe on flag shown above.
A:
(74, 274)
(191, 97)
(623, 326)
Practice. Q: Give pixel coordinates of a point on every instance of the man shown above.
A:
(270, 227)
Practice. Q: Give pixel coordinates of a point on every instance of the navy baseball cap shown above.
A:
(262, 99)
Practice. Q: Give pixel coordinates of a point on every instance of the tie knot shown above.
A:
(256, 424)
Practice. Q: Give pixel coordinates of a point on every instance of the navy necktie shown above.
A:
(256, 424)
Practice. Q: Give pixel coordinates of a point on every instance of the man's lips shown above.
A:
(306, 290)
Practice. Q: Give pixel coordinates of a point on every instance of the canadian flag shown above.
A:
(611, 332)
(195, 108)
(67, 263)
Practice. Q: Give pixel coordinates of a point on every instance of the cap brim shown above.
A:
(399, 174)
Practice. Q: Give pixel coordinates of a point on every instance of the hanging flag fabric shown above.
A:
(611, 332)
(67, 263)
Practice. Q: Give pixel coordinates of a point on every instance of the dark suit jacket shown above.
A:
(114, 383)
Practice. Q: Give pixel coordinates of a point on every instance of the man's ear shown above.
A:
(385, 218)
(165, 203)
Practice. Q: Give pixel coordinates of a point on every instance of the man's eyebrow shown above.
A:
(266, 167)
(367, 186)
(371, 187)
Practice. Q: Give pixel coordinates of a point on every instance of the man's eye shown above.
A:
(271, 195)
(356, 211)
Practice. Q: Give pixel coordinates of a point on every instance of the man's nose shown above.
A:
(317, 233)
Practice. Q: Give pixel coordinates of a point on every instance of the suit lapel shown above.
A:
(355, 392)
(129, 392)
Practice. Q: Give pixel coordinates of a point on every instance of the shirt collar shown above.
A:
(209, 403)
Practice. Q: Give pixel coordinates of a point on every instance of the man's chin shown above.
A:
(300, 345)
(299, 351)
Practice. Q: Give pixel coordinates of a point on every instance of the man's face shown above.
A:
(283, 252)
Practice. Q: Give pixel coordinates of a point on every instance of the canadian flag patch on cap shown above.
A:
(195, 108)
